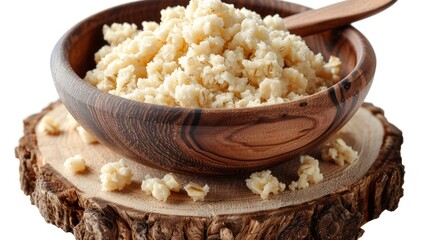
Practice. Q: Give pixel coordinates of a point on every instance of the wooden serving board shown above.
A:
(336, 208)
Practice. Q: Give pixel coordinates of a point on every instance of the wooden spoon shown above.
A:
(334, 16)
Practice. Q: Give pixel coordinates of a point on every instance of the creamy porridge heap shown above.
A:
(210, 55)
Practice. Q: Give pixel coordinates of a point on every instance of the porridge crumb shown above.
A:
(50, 126)
(339, 152)
(115, 176)
(75, 164)
(263, 183)
(196, 191)
(308, 172)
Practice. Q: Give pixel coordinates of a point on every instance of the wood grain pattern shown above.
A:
(336, 208)
(334, 16)
(209, 141)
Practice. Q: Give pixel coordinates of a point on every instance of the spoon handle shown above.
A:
(334, 16)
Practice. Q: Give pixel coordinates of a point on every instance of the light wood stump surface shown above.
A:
(336, 208)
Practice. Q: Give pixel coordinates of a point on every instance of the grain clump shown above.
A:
(308, 172)
(210, 55)
(160, 189)
(75, 164)
(50, 126)
(339, 152)
(263, 183)
(115, 176)
(196, 191)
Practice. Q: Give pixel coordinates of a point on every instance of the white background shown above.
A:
(29, 29)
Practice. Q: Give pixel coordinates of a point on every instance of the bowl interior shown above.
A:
(81, 50)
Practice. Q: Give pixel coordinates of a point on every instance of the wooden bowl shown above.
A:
(209, 141)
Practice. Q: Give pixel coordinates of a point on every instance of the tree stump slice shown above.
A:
(336, 208)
